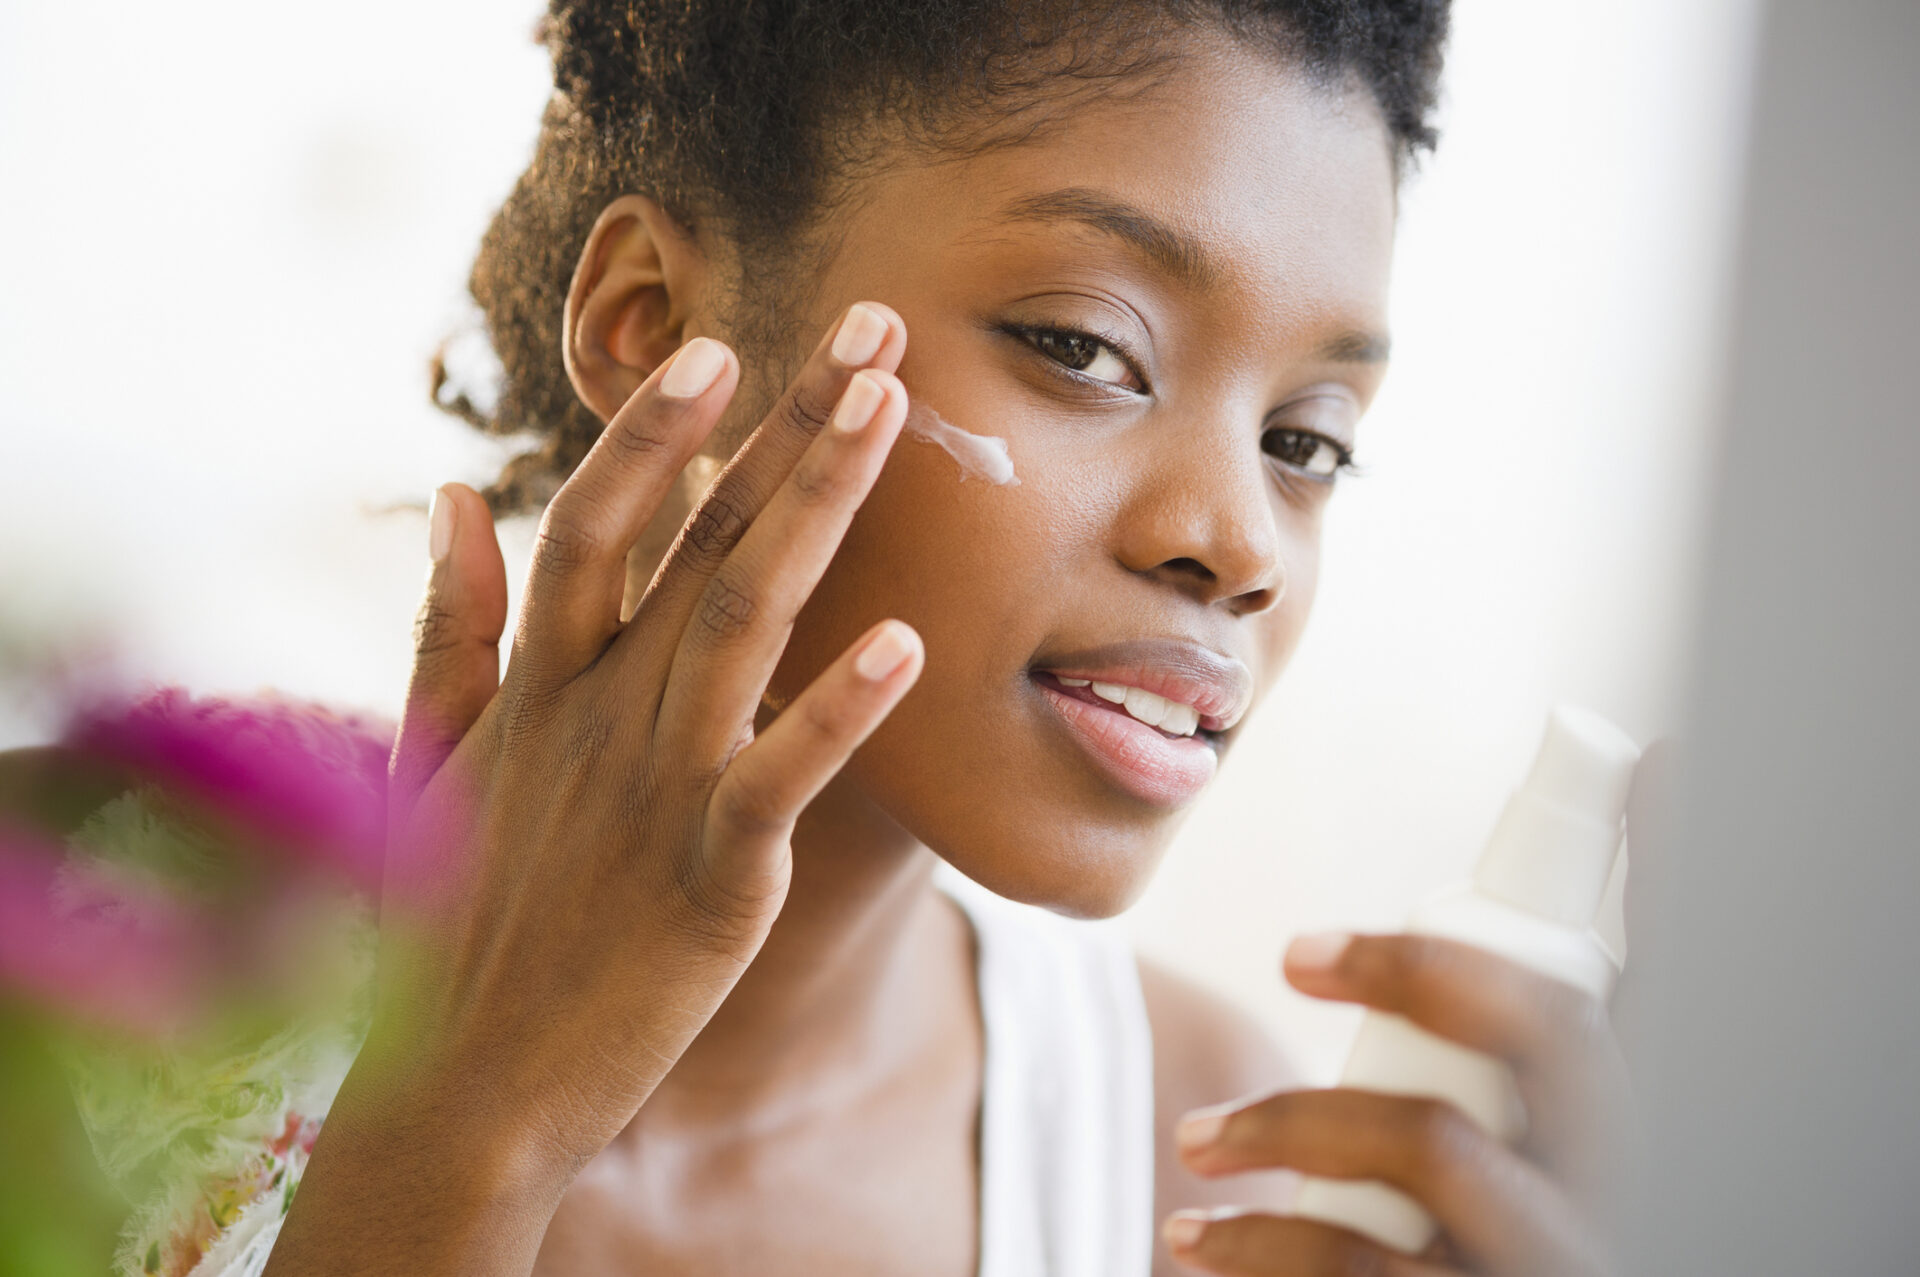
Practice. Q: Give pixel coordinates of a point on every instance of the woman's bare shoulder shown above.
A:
(1206, 1051)
(1204, 1047)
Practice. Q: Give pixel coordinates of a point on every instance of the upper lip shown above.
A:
(1219, 687)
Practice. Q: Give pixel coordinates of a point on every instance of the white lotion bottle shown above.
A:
(1532, 899)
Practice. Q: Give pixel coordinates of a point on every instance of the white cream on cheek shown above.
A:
(982, 456)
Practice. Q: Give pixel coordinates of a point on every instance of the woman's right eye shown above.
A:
(1084, 354)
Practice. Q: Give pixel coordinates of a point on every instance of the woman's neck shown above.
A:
(867, 968)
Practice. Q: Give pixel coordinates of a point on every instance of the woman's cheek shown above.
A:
(928, 546)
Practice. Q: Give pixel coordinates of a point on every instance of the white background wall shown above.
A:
(231, 234)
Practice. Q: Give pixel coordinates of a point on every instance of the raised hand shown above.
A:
(586, 855)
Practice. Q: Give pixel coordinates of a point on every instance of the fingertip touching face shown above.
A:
(1171, 304)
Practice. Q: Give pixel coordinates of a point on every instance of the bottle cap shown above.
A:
(1553, 849)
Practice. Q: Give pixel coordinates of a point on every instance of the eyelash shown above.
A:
(1344, 463)
(1029, 332)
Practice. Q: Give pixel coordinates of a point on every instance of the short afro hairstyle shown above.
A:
(732, 113)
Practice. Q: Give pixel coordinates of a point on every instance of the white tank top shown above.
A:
(1066, 1124)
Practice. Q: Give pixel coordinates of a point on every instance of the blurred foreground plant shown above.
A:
(186, 954)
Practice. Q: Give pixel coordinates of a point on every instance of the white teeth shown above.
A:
(1181, 720)
(1149, 708)
(1145, 706)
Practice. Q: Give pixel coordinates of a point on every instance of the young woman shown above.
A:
(668, 982)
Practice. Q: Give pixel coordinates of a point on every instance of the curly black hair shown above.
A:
(735, 114)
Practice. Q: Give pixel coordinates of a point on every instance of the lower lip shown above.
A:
(1161, 769)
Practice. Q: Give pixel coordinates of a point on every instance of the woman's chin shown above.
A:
(1088, 877)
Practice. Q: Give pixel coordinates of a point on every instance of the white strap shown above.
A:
(1067, 1105)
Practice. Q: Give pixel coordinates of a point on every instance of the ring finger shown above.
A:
(579, 567)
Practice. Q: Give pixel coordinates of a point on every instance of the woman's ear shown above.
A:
(640, 277)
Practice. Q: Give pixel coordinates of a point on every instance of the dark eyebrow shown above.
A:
(1167, 248)
(1178, 254)
(1357, 348)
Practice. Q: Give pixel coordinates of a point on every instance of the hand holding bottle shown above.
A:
(1546, 1204)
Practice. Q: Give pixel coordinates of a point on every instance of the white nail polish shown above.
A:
(859, 338)
(858, 404)
(884, 653)
(440, 515)
(695, 367)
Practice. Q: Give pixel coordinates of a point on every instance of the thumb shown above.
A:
(456, 638)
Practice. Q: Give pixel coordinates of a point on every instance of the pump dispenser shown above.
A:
(1532, 899)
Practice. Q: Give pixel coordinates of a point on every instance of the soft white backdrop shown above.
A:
(231, 234)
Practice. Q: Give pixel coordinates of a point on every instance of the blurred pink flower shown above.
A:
(94, 947)
(117, 929)
(301, 777)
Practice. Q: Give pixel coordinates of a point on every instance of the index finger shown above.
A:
(1557, 1038)
(1457, 990)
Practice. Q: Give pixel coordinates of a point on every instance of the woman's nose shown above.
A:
(1206, 525)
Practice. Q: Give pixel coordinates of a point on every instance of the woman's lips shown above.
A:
(1142, 760)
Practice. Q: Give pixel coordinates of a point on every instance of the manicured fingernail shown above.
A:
(440, 517)
(695, 367)
(1198, 1130)
(884, 653)
(859, 338)
(1183, 1230)
(861, 400)
(1318, 952)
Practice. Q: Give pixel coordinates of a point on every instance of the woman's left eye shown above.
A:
(1314, 454)
(1084, 354)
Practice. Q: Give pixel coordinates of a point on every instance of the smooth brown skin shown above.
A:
(693, 1007)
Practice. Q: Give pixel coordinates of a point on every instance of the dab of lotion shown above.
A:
(983, 456)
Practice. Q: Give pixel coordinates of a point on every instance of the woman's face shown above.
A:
(1171, 305)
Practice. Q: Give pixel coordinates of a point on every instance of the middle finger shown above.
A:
(729, 649)
(869, 335)
(1498, 1207)
(1236, 1243)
